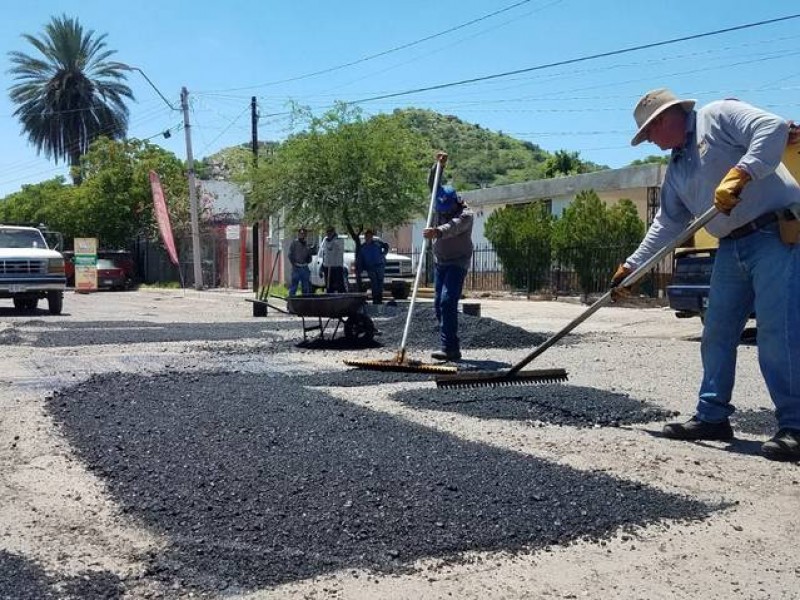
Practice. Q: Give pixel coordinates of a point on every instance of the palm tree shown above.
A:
(69, 95)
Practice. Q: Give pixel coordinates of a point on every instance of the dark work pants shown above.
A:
(449, 282)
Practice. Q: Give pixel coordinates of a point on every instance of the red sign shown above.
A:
(162, 217)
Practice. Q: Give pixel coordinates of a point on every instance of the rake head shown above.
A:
(502, 378)
(401, 366)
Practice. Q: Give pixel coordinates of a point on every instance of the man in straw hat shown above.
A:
(729, 153)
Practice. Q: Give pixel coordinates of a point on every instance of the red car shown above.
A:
(115, 270)
(110, 276)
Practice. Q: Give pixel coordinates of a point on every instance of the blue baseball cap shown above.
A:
(447, 199)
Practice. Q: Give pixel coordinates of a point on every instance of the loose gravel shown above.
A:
(257, 480)
(474, 332)
(756, 422)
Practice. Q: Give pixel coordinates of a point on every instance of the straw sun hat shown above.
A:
(651, 105)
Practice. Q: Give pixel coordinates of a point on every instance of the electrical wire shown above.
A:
(382, 53)
(580, 59)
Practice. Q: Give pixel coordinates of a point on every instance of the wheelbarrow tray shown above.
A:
(326, 306)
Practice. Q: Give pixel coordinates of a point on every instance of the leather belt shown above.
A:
(752, 226)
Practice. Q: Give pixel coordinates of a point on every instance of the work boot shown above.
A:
(785, 445)
(695, 429)
(446, 355)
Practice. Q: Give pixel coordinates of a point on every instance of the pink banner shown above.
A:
(162, 217)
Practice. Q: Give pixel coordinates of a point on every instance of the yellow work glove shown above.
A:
(617, 292)
(726, 196)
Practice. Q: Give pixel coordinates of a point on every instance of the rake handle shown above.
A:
(635, 276)
(401, 352)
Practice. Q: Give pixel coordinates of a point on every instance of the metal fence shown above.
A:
(153, 264)
(487, 273)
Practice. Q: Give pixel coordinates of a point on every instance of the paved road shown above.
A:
(168, 444)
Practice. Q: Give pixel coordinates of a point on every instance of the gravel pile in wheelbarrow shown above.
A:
(575, 406)
(253, 480)
(474, 332)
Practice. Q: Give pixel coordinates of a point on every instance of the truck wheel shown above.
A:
(25, 304)
(55, 302)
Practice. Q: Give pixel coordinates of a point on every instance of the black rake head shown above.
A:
(502, 379)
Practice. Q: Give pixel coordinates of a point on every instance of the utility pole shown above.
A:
(196, 254)
(256, 240)
(254, 124)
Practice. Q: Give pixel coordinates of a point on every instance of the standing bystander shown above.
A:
(372, 259)
(299, 257)
(332, 253)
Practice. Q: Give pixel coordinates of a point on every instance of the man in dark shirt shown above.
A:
(299, 257)
(372, 259)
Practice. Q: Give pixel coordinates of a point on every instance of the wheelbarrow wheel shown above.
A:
(359, 328)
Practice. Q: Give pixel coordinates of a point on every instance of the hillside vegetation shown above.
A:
(479, 157)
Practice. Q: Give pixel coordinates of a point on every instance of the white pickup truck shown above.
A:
(29, 270)
(398, 275)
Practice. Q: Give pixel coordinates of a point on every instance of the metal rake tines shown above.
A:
(474, 380)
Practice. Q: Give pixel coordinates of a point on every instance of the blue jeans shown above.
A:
(448, 282)
(375, 274)
(301, 276)
(756, 271)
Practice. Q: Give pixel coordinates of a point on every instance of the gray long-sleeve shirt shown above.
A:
(719, 136)
(299, 253)
(455, 244)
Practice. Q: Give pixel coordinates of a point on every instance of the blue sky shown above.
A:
(226, 52)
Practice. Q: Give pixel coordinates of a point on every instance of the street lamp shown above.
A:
(196, 252)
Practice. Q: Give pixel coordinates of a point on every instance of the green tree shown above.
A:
(564, 163)
(117, 199)
(521, 235)
(593, 238)
(653, 159)
(114, 204)
(45, 203)
(343, 171)
(68, 94)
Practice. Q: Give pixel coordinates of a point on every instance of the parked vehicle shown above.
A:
(691, 277)
(691, 280)
(115, 270)
(29, 270)
(398, 275)
(110, 276)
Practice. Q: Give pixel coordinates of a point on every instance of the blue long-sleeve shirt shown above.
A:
(371, 254)
(719, 136)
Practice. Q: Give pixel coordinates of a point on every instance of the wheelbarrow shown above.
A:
(338, 310)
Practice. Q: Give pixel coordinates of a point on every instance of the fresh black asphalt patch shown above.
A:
(757, 422)
(21, 579)
(60, 334)
(257, 480)
(552, 404)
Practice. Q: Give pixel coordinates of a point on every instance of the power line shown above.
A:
(384, 52)
(580, 59)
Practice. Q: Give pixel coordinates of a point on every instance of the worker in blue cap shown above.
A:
(451, 238)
